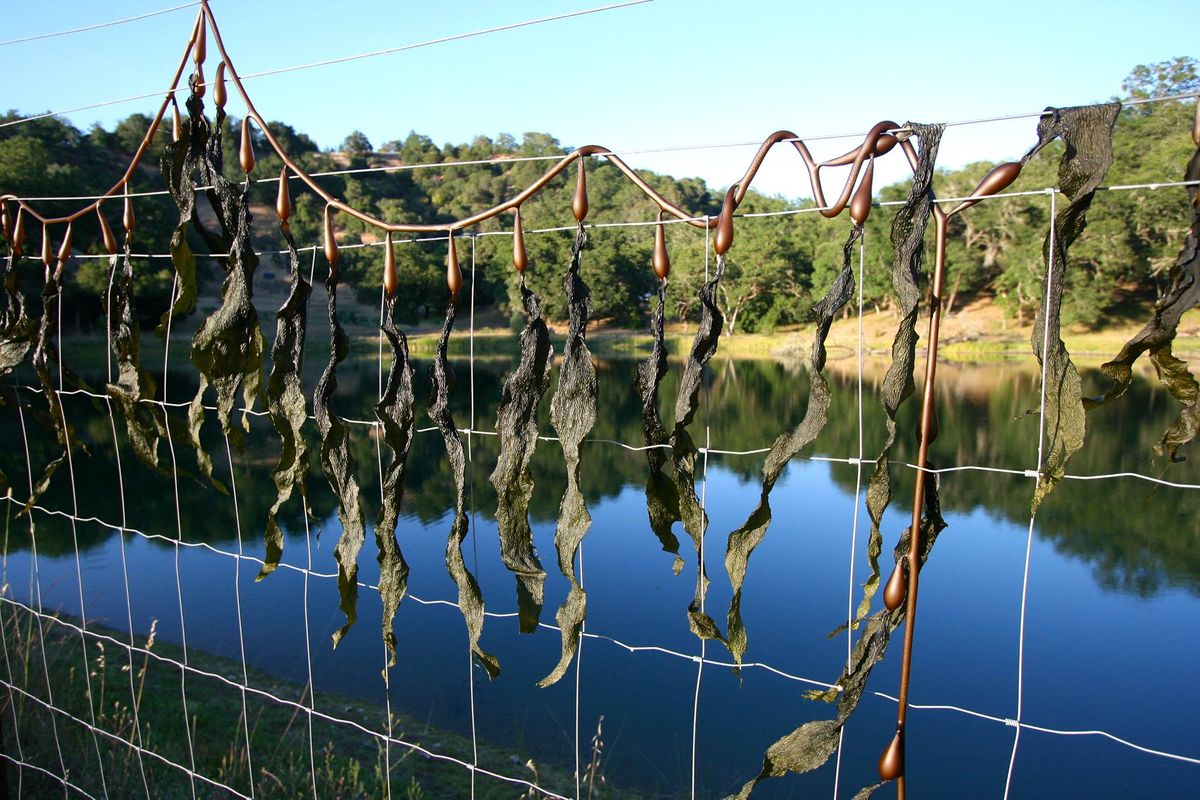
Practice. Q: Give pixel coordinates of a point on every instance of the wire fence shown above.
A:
(244, 684)
(199, 677)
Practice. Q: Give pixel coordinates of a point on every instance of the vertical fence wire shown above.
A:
(36, 578)
(187, 719)
(474, 524)
(1046, 293)
(312, 698)
(87, 673)
(703, 531)
(237, 599)
(134, 701)
(4, 636)
(378, 437)
(858, 402)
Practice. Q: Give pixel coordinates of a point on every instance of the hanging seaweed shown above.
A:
(1087, 133)
(573, 413)
(179, 161)
(336, 456)
(285, 392)
(470, 599)
(228, 347)
(45, 353)
(144, 422)
(395, 411)
(516, 423)
(809, 746)
(684, 452)
(662, 498)
(745, 538)
(1158, 334)
(907, 236)
(17, 330)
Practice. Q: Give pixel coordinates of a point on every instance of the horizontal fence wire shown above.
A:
(243, 687)
(343, 59)
(625, 646)
(388, 739)
(97, 26)
(703, 450)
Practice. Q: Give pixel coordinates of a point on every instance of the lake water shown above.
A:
(1113, 605)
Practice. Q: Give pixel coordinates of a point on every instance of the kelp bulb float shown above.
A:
(18, 235)
(885, 143)
(1196, 124)
(198, 85)
(283, 200)
(110, 241)
(860, 204)
(47, 248)
(520, 257)
(579, 203)
(176, 121)
(64, 250)
(997, 180)
(891, 763)
(6, 223)
(723, 238)
(897, 586)
(660, 260)
(246, 151)
(200, 50)
(389, 266)
(128, 218)
(219, 94)
(453, 272)
(331, 248)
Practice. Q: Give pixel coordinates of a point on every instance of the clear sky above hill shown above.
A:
(662, 74)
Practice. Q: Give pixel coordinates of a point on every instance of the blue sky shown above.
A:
(662, 74)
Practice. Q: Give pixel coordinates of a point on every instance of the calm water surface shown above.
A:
(1111, 632)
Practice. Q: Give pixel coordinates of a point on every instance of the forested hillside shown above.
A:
(777, 267)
